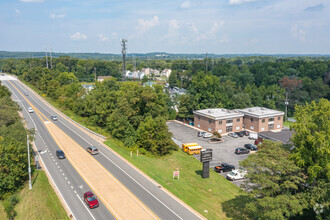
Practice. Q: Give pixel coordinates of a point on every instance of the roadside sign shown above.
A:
(176, 174)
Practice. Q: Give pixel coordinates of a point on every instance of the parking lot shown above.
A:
(223, 152)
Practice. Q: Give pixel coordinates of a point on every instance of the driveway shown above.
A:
(223, 152)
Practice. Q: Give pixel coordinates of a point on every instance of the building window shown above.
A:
(220, 122)
(229, 121)
(271, 126)
(220, 131)
(278, 126)
(210, 129)
(279, 118)
(210, 121)
(270, 119)
(238, 120)
(252, 127)
(237, 128)
(198, 125)
(251, 119)
(229, 128)
(263, 120)
(262, 129)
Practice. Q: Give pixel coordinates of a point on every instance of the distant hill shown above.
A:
(154, 55)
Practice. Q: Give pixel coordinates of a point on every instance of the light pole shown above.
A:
(286, 106)
(28, 147)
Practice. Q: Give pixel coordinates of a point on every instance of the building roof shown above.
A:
(103, 77)
(260, 112)
(219, 113)
(281, 136)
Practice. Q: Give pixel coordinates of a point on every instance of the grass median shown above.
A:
(204, 195)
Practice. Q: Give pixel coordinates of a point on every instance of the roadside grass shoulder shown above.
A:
(2, 212)
(206, 196)
(40, 202)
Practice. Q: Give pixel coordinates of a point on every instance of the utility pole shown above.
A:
(286, 106)
(46, 59)
(95, 73)
(28, 147)
(51, 59)
(123, 51)
(206, 63)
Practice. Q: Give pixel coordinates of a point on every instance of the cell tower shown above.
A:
(123, 51)
(46, 59)
(51, 59)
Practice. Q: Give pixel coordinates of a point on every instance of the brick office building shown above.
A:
(218, 120)
(260, 119)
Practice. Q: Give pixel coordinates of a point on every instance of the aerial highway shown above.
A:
(122, 190)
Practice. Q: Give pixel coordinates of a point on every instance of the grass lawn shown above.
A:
(2, 212)
(287, 123)
(201, 194)
(40, 202)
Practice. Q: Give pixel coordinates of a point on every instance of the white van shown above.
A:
(236, 175)
(253, 136)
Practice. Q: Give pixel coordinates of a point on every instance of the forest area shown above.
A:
(128, 110)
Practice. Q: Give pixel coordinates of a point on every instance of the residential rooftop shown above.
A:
(260, 112)
(219, 113)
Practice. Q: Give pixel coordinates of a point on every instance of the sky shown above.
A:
(172, 26)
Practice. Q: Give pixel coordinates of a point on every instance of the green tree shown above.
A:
(310, 138)
(274, 182)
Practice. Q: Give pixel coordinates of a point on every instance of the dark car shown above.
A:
(224, 167)
(60, 154)
(201, 133)
(246, 133)
(250, 147)
(240, 133)
(92, 150)
(91, 200)
(241, 150)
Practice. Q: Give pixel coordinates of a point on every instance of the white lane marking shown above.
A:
(85, 206)
(63, 174)
(60, 170)
(65, 178)
(68, 182)
(74, 191)
(71, 187)
(44, 163)
(116, 166)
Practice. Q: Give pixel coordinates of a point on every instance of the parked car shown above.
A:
(240, 133)
(236, 175)
(207, 135)
(54, 117)
(91, 200)
(250, 147)
(241, 150)
(224, 167)
(30, 110)
(92, 150)
(233, 135)
(200, 133)
(60, 154)
(253, 136)
(246, 133)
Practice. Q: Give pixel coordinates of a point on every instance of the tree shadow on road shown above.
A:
(236, 208)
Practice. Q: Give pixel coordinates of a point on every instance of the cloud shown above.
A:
(318, 7)
(102, 37)
(224, 39)
(78, 36)
(186, 4)
(298, 32)
(114, 35)
(32, 1)
(53, 15)
(239, 2)
(144, 25)
(216, 26)
(17, 11)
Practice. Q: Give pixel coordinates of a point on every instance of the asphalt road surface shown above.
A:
(68, 181)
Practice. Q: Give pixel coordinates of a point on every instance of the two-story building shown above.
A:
(260, 119)
(218, 120)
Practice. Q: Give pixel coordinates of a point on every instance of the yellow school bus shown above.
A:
(194, 150)
(186, 145)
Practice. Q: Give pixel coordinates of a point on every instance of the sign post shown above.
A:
(176, 174)
(206, 157)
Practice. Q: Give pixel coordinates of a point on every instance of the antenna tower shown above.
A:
(46, 59)
(123, 51)
(51, 59)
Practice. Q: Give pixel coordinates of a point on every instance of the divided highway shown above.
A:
(68, 181)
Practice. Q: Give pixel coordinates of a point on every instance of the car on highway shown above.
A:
(236, 175)
(60, 154)
(224, 167)
(233, 135)
(54, 117)
(92, 150)
(241, 150)
(250, 147)
(207, 135)
(200, 133)
(91, 200)
(30, 110)
(27, 94)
